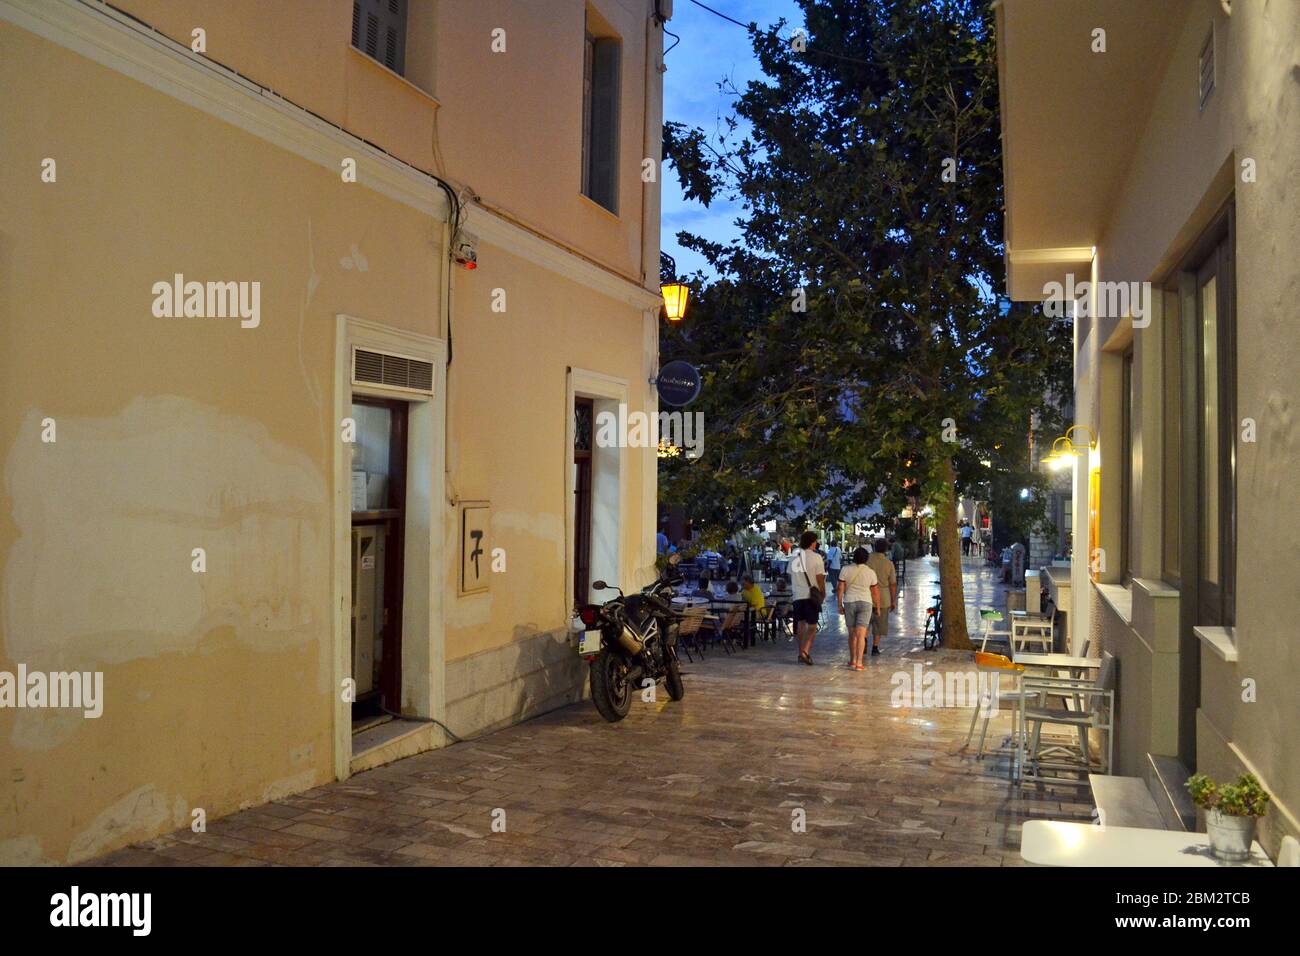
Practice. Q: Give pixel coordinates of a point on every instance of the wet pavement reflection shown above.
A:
(765, 762)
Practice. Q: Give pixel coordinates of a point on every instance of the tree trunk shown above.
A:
(950, 585)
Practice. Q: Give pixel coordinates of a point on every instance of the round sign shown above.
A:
(678, 383)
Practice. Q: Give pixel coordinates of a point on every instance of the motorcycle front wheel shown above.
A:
(673, 682)
(610, 691)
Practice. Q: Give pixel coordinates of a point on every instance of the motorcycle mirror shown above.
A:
(599, 586)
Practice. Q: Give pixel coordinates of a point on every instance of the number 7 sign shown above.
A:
(475, 570)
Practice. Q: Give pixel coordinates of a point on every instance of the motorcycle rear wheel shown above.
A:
(673, 682)
(610, 691)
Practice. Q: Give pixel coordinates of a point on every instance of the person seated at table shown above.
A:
(704, 589)
(782, 586)
(751, 593)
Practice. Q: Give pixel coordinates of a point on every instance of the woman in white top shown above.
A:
(858, 593)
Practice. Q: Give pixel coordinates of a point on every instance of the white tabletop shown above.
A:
(1054, 660)
(691, 601)
(1061, 843)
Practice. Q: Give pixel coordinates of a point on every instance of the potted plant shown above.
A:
(1230, 813)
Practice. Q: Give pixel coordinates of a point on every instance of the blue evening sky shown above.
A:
(710, 49)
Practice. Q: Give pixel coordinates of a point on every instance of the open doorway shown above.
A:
(583, 432)
(378, 504)
(390, 403)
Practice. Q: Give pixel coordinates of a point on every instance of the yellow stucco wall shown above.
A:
(180, 433)
(172, 434)
(507, 121)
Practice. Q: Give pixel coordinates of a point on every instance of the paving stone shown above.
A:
(713, 780)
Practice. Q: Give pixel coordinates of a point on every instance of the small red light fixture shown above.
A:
(465, 253)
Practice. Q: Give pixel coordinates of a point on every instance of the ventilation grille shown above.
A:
(392, 371)
(1206, 66)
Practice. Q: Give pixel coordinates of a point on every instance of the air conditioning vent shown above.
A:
(392, 371)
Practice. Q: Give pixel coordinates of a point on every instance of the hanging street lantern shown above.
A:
(674, 291)
(675, 295)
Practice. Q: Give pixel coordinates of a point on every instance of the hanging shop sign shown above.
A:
(678, 383)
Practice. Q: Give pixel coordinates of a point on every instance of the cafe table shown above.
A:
(1065, 843)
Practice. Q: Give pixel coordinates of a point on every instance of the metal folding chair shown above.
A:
(996, 666)
(1086, 705)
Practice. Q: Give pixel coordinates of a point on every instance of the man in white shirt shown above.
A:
(807, 571)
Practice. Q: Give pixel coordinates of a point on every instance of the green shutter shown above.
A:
(602, 158)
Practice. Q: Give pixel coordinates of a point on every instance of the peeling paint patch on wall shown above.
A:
(108, 517)
(143, 812)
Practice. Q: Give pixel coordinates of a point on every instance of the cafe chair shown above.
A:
(688, 631)
(996, 666)
(722, 623)
(1084, 705)
(990, 616)
(1036, 629)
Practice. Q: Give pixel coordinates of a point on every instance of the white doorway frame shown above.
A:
(607, 393)
(423, 638)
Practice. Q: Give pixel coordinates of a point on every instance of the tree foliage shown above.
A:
(855, 343)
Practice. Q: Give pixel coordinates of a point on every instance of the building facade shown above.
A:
(1150, 165)
(307, 310)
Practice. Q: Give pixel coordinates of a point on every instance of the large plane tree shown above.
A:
(854, 345)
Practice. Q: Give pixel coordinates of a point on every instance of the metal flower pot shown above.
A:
(1230, 837)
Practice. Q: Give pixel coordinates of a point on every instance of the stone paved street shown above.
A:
(713, 780)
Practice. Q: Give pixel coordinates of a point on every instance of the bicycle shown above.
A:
(932, 637)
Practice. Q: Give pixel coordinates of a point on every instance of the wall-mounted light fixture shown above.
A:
(1065, 448)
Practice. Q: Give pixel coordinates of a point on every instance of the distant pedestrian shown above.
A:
(833, 558)
(934, 543)
(885, 606)
(858, 593)
(896, 552)
(808, 578)
(966, 532)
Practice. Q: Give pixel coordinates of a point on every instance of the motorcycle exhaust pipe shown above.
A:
(628, 640)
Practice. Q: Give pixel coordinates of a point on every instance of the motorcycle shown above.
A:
(630, 643)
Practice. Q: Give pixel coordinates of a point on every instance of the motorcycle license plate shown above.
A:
(588, 643)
